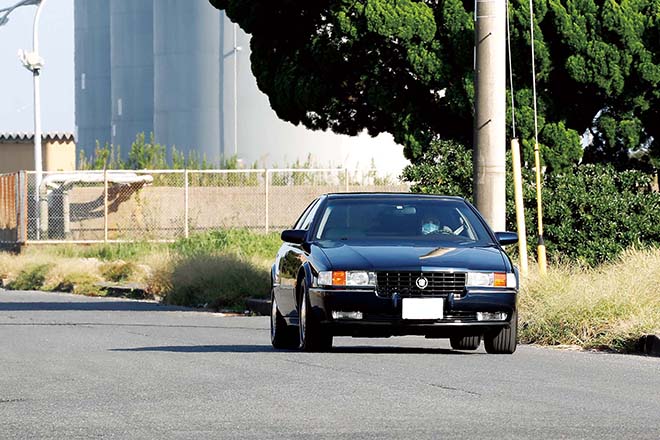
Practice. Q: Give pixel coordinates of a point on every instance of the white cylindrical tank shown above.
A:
(92, 70)
(132, 70)
(187, 76)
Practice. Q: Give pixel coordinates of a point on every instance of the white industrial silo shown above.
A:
(132, 70)
(187, 76)
(92, 70)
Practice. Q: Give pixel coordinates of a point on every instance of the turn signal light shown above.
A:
(491, 279)
(358, 278)
(338, 278)
(499, 279)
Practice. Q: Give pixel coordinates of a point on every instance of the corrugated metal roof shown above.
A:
(29, 137)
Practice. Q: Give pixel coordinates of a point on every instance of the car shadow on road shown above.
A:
(268, 348)
(398, 350)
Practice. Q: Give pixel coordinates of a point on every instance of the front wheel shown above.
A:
(504, 341)
(281, 335)
(312, 336)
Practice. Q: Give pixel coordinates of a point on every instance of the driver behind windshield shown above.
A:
(449, 223)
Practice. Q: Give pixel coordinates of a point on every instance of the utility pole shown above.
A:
(490, 112)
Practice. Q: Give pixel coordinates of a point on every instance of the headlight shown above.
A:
(491, 279)
(346, 278)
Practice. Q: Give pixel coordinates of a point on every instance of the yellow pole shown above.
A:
(543, 265)
(537, 154)
(520, 207)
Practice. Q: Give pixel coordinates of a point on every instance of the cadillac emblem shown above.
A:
(422, 282)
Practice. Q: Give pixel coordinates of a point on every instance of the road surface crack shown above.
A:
(12, 400)
(445, 387)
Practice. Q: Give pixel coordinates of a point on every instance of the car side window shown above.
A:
(302, 219)
(310, 216)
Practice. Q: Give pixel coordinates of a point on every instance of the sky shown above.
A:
(57, 77)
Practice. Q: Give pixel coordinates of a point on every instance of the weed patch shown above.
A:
(79, 284)
(30, 278)
(611, 306)
(117, 271)
(216, 281)
(239, 241)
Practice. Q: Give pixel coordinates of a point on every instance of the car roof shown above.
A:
(392, 195)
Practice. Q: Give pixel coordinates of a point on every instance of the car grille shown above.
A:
(440, 284)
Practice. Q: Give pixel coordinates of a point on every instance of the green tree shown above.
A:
(405, 67)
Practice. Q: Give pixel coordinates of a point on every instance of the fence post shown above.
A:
(186, 195)
(346, 177)
(105, 205)
(267, 208)
(42, 206)
(22, 205)
(66, 213)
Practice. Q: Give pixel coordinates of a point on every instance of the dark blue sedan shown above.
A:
(380, 265)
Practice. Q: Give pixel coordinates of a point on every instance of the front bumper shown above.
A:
(382, 316)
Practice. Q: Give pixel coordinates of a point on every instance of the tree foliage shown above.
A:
(406, 67)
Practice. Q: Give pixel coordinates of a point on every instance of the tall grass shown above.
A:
(105, 252)
(222, 281)
(610, 306)
(243, 242)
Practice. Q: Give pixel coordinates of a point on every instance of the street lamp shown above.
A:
(34, 63)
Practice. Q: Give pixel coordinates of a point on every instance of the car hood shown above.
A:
(413, 257)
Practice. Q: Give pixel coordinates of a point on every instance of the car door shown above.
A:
(290, 259)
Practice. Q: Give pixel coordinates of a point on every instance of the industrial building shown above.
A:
(181, 70)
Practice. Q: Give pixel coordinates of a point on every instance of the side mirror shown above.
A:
(295, 236)
(506, 238)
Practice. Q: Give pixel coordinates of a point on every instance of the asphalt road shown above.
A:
(75, 367)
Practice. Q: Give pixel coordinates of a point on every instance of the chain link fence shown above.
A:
(163, 205)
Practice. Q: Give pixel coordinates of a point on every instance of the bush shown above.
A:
(117, 271)
(30, 278)
(216, 281)
(595, 213)
(79, 284)
(591, 213)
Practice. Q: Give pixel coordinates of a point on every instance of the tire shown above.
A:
(504, 341)
(281, 335)
(312, 337)
(465, 342)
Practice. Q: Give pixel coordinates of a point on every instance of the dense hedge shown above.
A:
(591, 213)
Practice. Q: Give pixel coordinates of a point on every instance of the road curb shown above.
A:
(258, 306)
(650, 345)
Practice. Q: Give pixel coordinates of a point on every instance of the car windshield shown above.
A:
(406, 218)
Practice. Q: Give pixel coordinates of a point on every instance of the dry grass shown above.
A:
(219, 269)
(41, 269)
(607, 307)
(221, 281)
